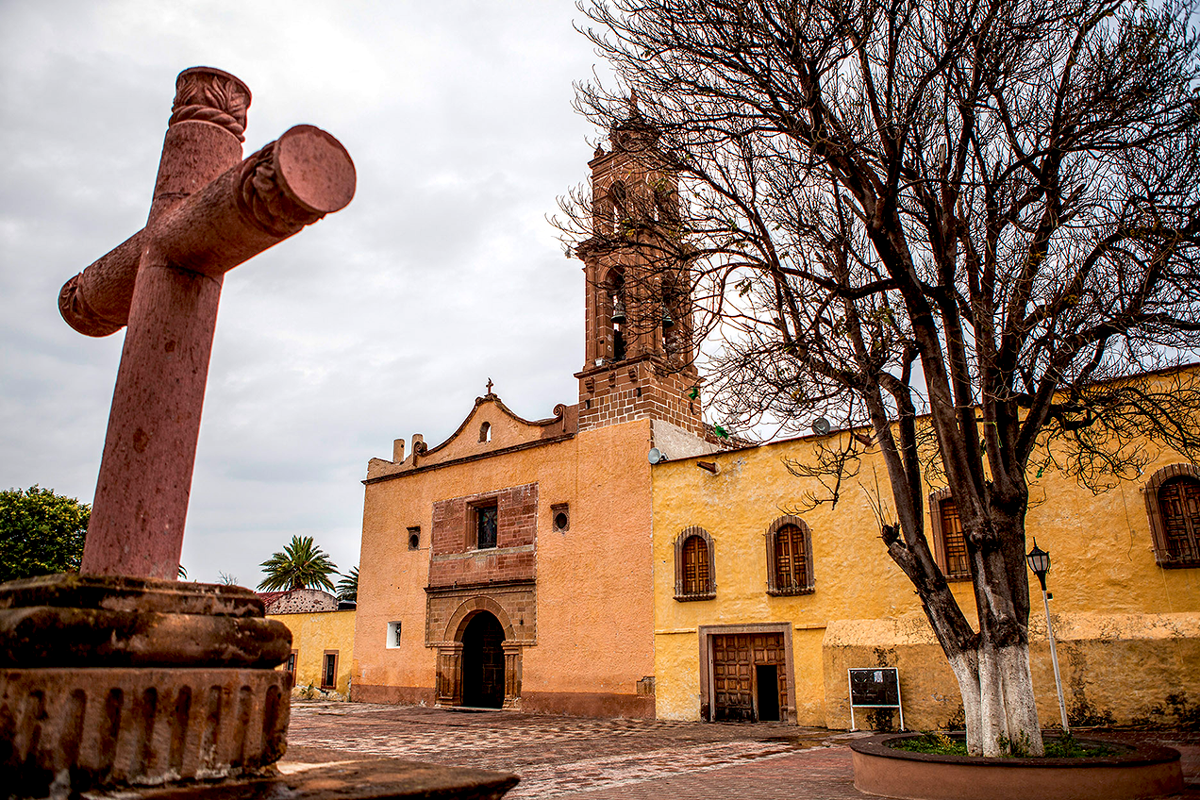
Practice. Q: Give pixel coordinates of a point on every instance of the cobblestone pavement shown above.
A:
(606, 759)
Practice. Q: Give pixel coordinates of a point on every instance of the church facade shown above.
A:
(549, 565)
(510, 566)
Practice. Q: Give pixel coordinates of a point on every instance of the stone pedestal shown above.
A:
(113, 681)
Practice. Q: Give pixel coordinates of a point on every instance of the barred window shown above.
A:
(694, 565)
(789, 557)
(1173, 504)
(485, 527)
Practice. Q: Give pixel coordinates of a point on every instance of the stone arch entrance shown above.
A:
(479, 658)
(483, 662)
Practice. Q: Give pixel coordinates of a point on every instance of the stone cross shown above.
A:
(211, 211)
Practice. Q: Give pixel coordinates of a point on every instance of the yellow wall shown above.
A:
(1118, 609)
(312, 635)
(594, 594)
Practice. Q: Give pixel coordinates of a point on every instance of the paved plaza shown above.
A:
(606, 759)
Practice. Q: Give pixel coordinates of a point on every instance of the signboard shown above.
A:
(875, 687)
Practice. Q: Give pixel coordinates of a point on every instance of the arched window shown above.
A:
(949, 541)
(1173, 505)
(789, 557)
(694, 565)
(485, 432)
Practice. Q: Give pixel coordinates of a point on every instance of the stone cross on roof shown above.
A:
(211, 212)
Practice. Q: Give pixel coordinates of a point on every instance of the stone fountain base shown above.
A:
(110, 681)
(156, 690)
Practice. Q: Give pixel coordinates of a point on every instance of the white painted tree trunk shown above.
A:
(965, 671)
(998, 702)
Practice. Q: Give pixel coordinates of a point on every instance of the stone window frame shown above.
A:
(808, 580)
(472, 515)
(711, 583)
(325, 668)
(565, 510)
(936, 499)
(1158, 532)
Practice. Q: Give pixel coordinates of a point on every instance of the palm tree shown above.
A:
(301, 565)
(347, 587)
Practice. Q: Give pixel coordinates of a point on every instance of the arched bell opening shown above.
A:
(614, 320)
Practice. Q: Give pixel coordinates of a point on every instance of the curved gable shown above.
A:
(490, 427)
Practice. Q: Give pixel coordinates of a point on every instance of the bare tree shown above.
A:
(960, 227)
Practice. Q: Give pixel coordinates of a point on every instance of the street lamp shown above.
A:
(1039, 562)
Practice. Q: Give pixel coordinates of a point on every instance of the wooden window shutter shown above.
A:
(1179, 500)
(954, 543)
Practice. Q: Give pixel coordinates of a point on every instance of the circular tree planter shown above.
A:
(1142, 772)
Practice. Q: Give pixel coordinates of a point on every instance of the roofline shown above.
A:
(473, 457)
(1191, 365)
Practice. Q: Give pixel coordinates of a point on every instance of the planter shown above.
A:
(1142, 772)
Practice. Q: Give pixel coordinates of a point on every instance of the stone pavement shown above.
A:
(604, 759)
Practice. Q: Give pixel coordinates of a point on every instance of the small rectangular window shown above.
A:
(329, 670)
(414, 537)
(393, 635)
(291, 662)
(485, 527)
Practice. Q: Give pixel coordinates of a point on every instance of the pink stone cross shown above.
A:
(211, 211)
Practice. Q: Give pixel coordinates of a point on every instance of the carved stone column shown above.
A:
(449, 674)
(512, 675)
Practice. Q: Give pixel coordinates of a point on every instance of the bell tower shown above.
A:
(638, 322)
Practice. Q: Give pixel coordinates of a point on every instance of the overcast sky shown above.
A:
(382, 320)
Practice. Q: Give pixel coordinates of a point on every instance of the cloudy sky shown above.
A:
(383, 320)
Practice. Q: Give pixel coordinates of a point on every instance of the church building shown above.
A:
(510, 565)
(567, 565)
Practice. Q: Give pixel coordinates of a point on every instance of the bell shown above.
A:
(618, 315)
(667, 322)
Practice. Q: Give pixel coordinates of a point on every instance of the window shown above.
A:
(485, 432)
(290, 666)
(789, 557)
(329, 669)
(414, 537)
(694, 579)
(1173, 505)
(485, 527)
(560, 513)
(393, 635)
(949, 542)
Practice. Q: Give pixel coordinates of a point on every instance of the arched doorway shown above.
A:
(483, 662)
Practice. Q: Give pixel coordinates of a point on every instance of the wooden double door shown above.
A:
(749, 676)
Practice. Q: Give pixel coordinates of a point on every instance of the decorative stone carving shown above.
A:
(211, 95)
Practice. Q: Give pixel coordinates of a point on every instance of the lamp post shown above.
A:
(1039, 562)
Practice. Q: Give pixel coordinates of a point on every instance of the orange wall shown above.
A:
(594, 582)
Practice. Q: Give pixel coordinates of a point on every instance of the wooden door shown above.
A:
(735, 681)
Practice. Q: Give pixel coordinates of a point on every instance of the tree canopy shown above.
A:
(300, 565)
(959, 226)
(347, 587)
(41, 533)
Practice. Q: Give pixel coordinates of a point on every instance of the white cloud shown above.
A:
(383, 320)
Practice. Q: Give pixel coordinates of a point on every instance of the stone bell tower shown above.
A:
(638, 320)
